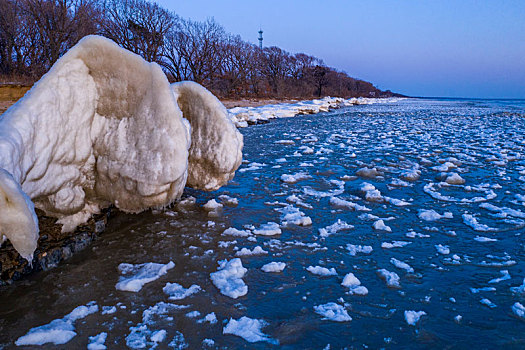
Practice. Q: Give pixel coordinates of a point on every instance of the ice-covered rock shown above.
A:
(104, 127)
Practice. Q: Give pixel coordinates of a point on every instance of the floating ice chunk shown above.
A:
(354, 249)
(455, 179)
(291, 179)
(371, 193)
(212, 205)
(229, 201)
(354, 285)
(412, 317)
(252, 166)
(228, 279)
(178, 292)
(247, 252)
(411, 175)
(396, 202)
(193, 314)
(432, 215)
(442, 249)
(285, 142)
(369, 173)
(96, 342)
(488, 303)
(401, 265)
(333, 312)
(518, 309)
(210, 318)
(178, 342)
(391, 278)
(394, 244)
(458, 318)
(321, 271)
(59, 331)
(294, 199)
(503, 212)
(445, 167)
(236, 233)
(334, 228)
(274, 267)
(136, 276)
(268, 229)
(380, 226)
(482, 289)
(249, 329)
(293, 216)
(484, 239)
(471, 221)
(505, 276)
(346, 204)
(208, 342)
(108, 310)
(413, 234)
(519, 289)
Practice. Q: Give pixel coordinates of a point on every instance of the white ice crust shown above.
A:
(104, 127)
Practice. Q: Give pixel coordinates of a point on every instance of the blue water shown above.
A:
(479, 140)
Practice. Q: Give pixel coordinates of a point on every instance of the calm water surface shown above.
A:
(413, 147)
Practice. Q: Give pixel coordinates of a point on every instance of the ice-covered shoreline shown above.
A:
(244, 116)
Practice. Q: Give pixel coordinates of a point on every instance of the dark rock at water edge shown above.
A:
(53, 247)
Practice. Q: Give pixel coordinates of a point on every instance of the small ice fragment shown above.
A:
(506, 276)
(391, 278)
(211, 318)
(412, 317)
(247, 252)
(321, 271)
(178, 292)
(354, 249)
(518, 309)
(455, 179)
(401, 265)
(136, 276)
(442, 249)
(333, 312)
(59, 331)
(249, 329)
(228, 279)
(488, 303)
(432, 215)
(484, 239)
(268, 229)
(236, 233)
(354, 285)
(274, 267)
(458, 318)
(96, 342)
(334, 228)
(394, 244)
(291, 179)
(380, 225)
(212, 205)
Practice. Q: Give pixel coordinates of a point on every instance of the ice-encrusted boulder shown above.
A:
(104, 127)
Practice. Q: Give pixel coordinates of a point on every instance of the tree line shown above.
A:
(34, 34)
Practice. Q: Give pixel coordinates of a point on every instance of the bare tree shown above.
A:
(139, 26)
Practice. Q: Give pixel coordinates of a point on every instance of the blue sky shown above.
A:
(456, 48)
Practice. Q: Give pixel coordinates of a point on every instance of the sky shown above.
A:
(435, 48)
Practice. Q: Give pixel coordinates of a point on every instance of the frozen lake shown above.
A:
(394, 225)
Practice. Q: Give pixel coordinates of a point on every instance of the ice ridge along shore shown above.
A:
(104, 127)
(243, 116)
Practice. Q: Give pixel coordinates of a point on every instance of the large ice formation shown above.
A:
(104, 127)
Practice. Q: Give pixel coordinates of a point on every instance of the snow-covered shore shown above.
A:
(243, 116)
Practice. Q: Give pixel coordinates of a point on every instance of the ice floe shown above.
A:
(228, 279)
(136, 276)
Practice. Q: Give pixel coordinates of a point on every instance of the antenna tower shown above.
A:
(260, 38)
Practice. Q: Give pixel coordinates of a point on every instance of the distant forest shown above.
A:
(34, 34)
